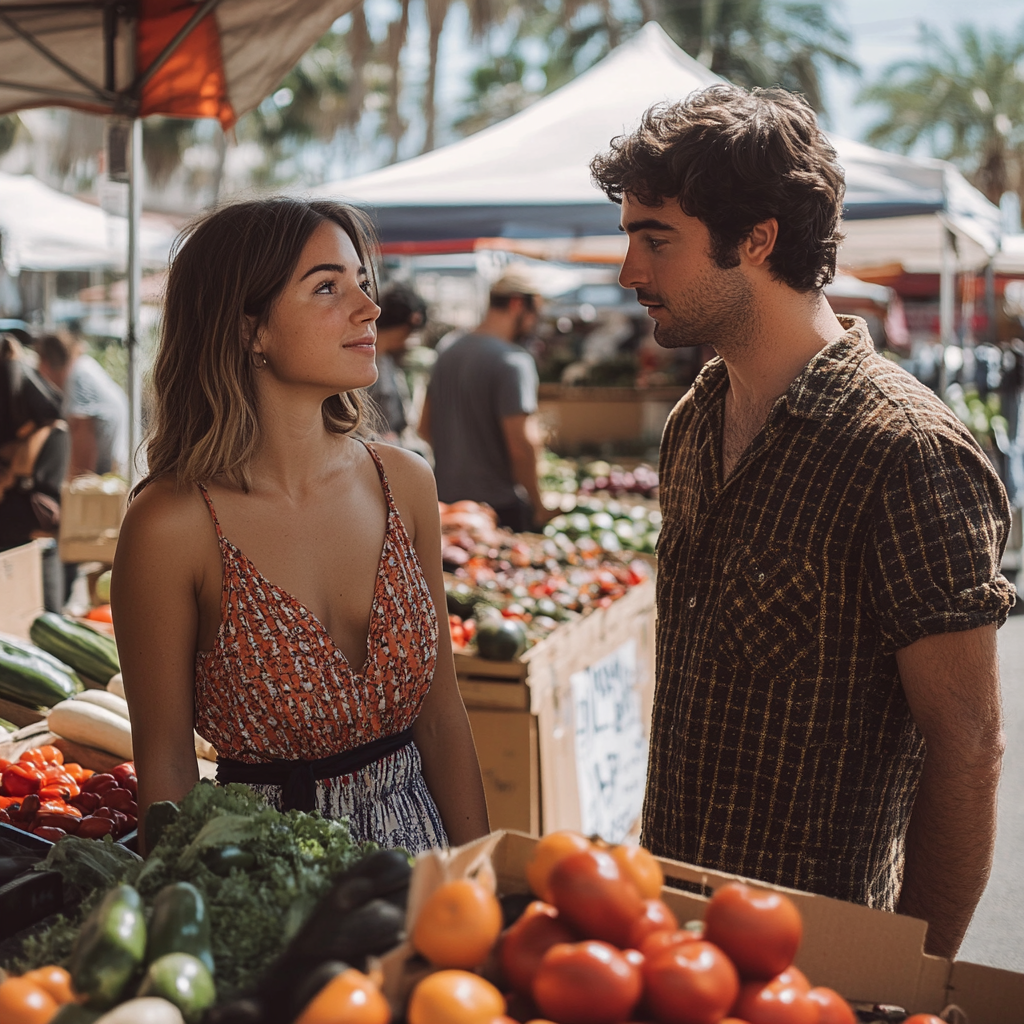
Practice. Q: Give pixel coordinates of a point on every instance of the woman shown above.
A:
(277, 578)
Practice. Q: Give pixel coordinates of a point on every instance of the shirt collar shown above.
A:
(820, 385)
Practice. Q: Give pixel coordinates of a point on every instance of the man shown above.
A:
(479, 411)
(827, 712)
(402, 312)
(95, 408)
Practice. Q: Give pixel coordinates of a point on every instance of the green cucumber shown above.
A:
(158, 817)
(180, 923)
(183, 980)
(110, 947)
(31, 677)
(88, 652)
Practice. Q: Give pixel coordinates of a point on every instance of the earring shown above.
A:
(261, 362)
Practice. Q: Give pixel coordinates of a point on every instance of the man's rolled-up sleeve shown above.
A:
(939, 528)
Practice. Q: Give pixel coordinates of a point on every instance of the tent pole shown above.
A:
(991, 329)
(134, 288)
(947, 301)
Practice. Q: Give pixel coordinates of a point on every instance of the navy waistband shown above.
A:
(298, 779)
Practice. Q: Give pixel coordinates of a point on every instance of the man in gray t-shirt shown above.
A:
(95, 408)
(479, 408)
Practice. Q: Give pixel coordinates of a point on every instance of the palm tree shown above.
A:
(965, 101)
(759, 42)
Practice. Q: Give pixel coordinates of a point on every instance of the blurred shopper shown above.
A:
(402, 313)
(828, 575)
(95, 408)
(314, 661)
(33, 462)
(479, 411)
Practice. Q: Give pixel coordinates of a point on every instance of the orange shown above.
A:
(54, 980)
(548, 852)
(641, 866)
(455, 997)
(24, 1002)
(348, 998)
(458, 925)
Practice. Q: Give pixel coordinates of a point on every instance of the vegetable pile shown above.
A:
(572, 476)
(41, 794)
(536, 582)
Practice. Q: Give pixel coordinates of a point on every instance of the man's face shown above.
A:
(691, 299)
(527, 315)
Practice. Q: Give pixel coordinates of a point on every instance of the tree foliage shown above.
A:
(964, 101)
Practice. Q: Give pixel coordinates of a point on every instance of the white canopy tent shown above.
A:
(527, 181)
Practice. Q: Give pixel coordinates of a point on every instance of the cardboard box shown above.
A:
(562, 733)
(21, 588)
(868, 956)
(91, 510)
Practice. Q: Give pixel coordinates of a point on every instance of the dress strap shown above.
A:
(385, 486)
(213, 511)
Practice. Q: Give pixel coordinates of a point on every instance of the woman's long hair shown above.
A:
(226, 271)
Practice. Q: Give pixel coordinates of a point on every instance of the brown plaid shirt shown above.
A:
(861, 518)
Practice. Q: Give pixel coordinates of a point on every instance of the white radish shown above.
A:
(92, 725)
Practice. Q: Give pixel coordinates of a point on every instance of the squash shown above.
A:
(104, 699)
(81, 722)
(116, 685)
(33, 678)
(88, 652)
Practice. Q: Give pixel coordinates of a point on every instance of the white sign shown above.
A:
(611, 749)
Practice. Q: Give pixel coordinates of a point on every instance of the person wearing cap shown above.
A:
(402, 312)
(479, 412)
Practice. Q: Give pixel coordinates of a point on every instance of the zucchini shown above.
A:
(183, 980)
(88, 652)
(82, 722)
(110, 946)
(31, 677)
(180, 924)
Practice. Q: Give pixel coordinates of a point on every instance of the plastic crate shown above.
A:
(33, 895)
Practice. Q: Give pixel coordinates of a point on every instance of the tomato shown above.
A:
(690, 984)
(793, 976)
(594, 897)
(54, 980)
(656, 917)
(832, 1007)
(547, 853)
(454, 997)
(586, 983)
(24, 1002)
(458, 925)
(924, 1018)
(526, 942)
(656, 942)
(642, 866)
(348, 998)
(758, 930)
(775, 1002)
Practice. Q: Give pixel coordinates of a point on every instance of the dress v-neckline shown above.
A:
(312, 617)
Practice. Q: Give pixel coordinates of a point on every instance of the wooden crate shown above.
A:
(525, 718)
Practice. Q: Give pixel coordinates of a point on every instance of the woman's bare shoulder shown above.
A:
(168, 516)
(405, 469)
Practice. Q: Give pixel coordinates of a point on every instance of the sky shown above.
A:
(885, 31)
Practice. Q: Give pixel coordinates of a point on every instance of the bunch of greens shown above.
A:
(290, 859)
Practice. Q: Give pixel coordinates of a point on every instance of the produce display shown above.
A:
(507, 591)
(586, 477)
(41, 794)
(612, 525)
(89, 652)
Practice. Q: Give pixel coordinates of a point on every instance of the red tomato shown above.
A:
(524, 944)
(924, 1018)
(832, 1007)
(586, 983)
(656, 942)
(690, 984)
(595, 898)
(775, 1003)
(792, 975)
(758, 930)
(656, 917)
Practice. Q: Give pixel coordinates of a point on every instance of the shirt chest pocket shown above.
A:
(771, 608)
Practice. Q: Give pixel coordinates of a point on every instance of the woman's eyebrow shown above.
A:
(336, 267)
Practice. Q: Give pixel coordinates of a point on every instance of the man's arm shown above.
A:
(522, 453)
(424, 425)
(951, 682)
(83, 445)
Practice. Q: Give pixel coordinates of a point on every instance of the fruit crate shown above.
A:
(532, 719)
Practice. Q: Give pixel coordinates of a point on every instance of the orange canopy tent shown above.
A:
(132, 58)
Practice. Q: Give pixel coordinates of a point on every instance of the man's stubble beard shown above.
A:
(718, 311)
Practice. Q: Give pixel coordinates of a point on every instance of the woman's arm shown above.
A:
(153, 597)
(442, 731)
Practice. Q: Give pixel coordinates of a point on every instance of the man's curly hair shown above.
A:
(733, 159)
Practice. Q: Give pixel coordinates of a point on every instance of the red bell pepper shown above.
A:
(42, 756)
(21, 779)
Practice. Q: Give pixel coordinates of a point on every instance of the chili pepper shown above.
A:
(27, 809)
(57, 791)
(4, 816)
(21, 779)
(123, 770)
(68, 822)
(99, 783)
(6, 801)
(4, 763)
(118, 798)
(77, 772)
(49, 832)
(86, 802)
(59, 807)
(42, 756)
(56, 776)
(94, 828)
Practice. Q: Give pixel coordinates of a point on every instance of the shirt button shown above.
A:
(693, 602)
(760, 577)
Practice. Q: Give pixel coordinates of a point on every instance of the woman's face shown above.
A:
(320, 332)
